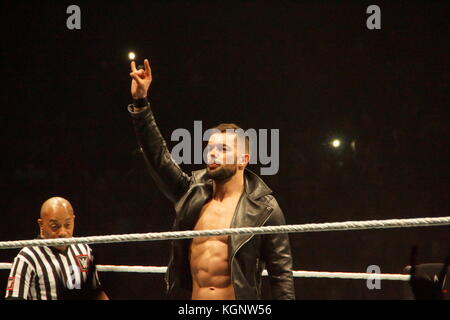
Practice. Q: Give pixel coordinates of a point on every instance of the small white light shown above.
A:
(131, 55)
(353, 145)
(336, 143)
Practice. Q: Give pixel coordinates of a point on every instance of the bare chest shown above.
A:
(203, 250)
(217, 214)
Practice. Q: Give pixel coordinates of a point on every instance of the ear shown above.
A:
(244, 160)
(39, 221)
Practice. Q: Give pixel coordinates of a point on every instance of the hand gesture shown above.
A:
(141, 80)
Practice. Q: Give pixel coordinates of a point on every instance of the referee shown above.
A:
(55, 273)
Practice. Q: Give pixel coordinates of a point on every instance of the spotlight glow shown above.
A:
(131, 55)
(336, 143)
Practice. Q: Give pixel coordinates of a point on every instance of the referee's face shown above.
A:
(57, 222)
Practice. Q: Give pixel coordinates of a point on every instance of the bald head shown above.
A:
(57, 219)
(56, 204)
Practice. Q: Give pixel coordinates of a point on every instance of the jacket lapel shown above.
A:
(249, 213)
(189, 206)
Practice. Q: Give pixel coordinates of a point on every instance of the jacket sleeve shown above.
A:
(277, 256)
(168, 176)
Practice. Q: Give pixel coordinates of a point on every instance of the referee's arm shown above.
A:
(19, 280)
(95, 284)
(100, 295)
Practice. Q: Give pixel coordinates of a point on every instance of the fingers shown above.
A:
(136, 78)
(133, 66)
(148, 70)
(139, 73)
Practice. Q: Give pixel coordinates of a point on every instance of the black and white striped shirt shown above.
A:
(45, 273)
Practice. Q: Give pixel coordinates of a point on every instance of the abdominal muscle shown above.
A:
(210, 269)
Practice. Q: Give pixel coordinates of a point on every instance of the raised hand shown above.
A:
(141, 80)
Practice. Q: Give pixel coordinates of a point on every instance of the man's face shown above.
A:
(222, 156)
(57, 222)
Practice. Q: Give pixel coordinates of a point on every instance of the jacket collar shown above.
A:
(254, 186)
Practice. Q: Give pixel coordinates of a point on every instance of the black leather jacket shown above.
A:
(249, 254)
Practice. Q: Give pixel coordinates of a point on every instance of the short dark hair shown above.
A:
(223, 127)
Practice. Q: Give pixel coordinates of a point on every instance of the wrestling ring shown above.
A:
(297, 228)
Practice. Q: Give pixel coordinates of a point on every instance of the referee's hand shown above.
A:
(141, 80)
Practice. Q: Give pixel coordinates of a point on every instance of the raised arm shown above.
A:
(169, 177)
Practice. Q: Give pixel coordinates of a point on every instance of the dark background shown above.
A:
(311, 69)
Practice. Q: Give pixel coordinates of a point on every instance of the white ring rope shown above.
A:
(172, 235)
(297, 274)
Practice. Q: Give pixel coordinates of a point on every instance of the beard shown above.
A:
(222, 173)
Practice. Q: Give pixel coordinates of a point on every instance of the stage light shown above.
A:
(131, 55)
(336, 143)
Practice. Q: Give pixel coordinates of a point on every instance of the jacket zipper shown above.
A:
(229, 239)
(232, 258)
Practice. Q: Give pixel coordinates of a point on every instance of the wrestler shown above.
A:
(222, 195)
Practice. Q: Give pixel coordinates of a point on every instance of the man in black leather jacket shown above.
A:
(221, 196)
